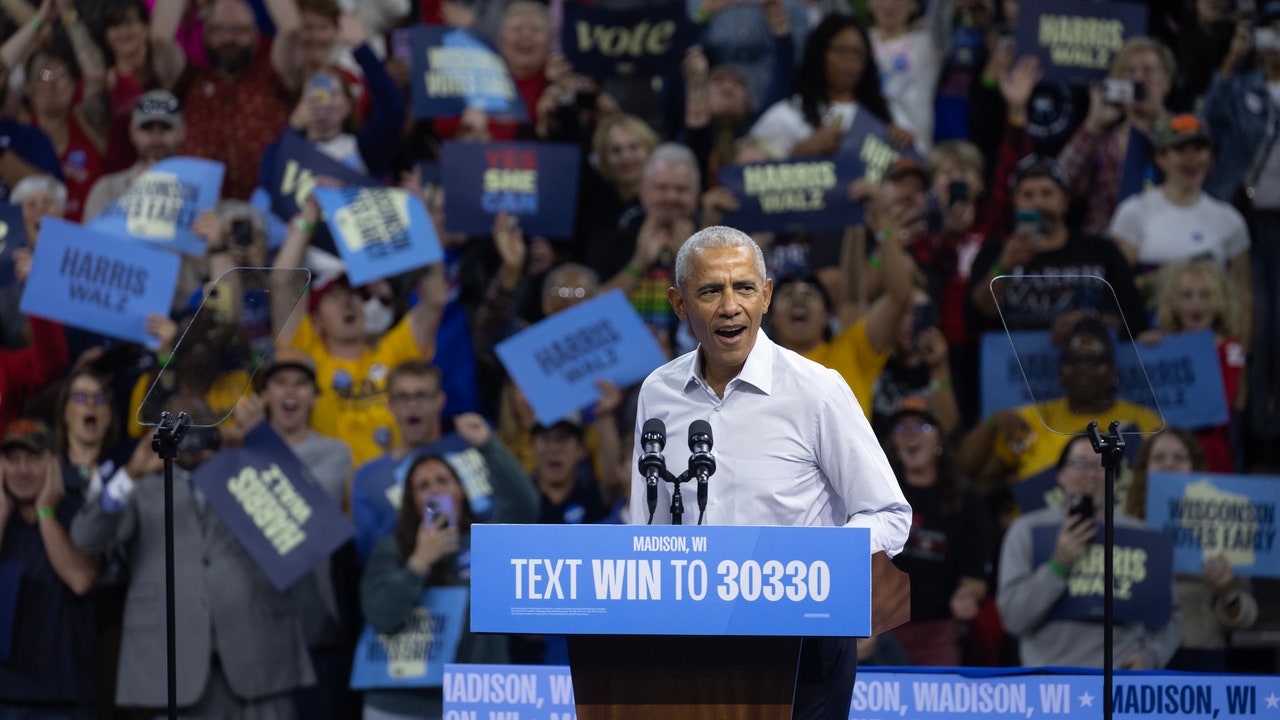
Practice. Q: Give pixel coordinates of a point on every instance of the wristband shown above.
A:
(70, 17)
(996, 269)
(304, 224)
(634, 271)
(37, 23)
(989, 82)
(164, 359)
(875, 262)
(938, 385)
(700, 16)
(1057, 569)
(45, 512)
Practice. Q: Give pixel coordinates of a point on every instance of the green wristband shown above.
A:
(43, 513)
(634, 271)
(1058, 569)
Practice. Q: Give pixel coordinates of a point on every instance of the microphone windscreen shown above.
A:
(699, 427)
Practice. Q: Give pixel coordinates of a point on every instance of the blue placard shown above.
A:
(1207, 514)
(1182, 371)
(1143, 566)
(531, 692)
(162, 204)
(867, 142)
(293, 174)
(1076, 41)
(13, 235)
(380, 232)
(714, 580)
(282, 518)
(414, 657)
(101, 283)
(603, 42)
(1139, 171)
(788, 195)
(535, 182)
(10, 582)
(556, 362)
(454, 69)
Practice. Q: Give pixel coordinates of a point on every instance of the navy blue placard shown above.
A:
(631, 580)
(1208, 514)
(416, 656)
(1143, 576)
(602, 42)
(535, 182)
(867, 142)
(1038, 491)
(380, 232)
(293, 175)
(161, 204)
(788, 195)
(282, 518)
(454, 69)
(101, 283)
(1076, 41)
(13, 235)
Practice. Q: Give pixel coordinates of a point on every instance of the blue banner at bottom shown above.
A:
(531, 692)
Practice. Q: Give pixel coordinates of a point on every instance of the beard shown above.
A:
(230, 59)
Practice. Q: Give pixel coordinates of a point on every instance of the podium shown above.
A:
(683, 622)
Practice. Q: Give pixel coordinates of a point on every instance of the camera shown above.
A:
(242, 232)
(1080, 506)
(1119, 91)
(1029, 220)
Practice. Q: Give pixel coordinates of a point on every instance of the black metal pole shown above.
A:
(1111, 449)
(165, 442)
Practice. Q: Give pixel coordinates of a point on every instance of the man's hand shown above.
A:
(163, 329)
(715, 203)
(143, 461)
(209, 227)
(931, 344)
(250, 411)
(473, 428)
(964, 604)
(1017, 85)
(1217, 570)
(1102, 114)
(610, 399)
(21, 264)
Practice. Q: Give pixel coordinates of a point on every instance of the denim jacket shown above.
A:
(1241, 116)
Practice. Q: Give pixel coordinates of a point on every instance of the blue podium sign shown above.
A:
(645, 580)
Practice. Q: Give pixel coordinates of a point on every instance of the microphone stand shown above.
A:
(1111, 448)
(165, 442)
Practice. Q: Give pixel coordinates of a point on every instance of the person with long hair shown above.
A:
(126, 47)
(420, 554)
(85, 430)
(838, 78)
(949, 548)
(1214, 602)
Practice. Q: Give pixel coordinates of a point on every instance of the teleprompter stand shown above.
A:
(168, 434)
(1111, 449)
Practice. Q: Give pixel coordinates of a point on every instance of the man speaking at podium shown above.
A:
(792, 446)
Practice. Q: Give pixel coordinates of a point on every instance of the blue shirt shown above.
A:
(30, 144)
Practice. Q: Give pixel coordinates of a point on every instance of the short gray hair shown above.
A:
(33, 184)
(716, 236)
(676, 154)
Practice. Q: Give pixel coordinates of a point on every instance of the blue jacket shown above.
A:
(1240, 114)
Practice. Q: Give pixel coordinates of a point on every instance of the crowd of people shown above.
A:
(393, 396)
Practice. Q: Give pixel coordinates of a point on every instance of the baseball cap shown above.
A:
(905, 166)
(156, 106)
(915, 405)
(1176, 131)
(323, 284)
(571, 424)
(1033, 166)
(30, 435)
(282, 358)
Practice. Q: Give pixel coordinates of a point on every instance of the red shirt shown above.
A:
(232, 119)
(1216, 441)
(25, 372)
(81, 168)
(121, 153)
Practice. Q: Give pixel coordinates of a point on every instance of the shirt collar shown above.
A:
(757, 371)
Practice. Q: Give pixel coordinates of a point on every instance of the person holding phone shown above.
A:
(1027, 591)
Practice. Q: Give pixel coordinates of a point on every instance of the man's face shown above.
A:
(799, 315)
(1186, 164)
(289, 395)
(230, 36)
(669, 192)
(156, 141)
(904, 199)
(556, 453)
(524, 41)
(24, 473)
(724, 299)
(1045, 195)
(415, 402)
(340, 314)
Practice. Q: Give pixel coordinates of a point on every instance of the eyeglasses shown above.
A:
(88, 398)
(919, 427)
(51, 76)
(568, 292)
(418, 397)
(157, 107)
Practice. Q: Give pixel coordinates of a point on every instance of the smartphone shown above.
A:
(400, 45)
(957, 192)
(921, 319)
(1118, 91)
(437, 505)
(1080, 506)
(242, 232)
(323, 86)
(1028, 220)
(1266, 39)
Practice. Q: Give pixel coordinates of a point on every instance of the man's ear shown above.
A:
(677, 303)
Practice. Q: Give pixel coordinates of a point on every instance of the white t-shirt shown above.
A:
(783, 124)
(909, 69)
(1162, 232)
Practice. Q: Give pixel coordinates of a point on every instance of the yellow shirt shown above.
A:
(850, 354)
(1045, 446)
(353, 393)
(221, 398)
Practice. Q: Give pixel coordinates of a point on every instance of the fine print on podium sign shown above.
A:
(638, 580)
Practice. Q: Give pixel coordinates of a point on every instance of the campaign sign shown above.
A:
(380, 232)
(556, 362)
(282, 518)
(13, 235)
(454, 70)
(100, 283)
(1038, 491)
(868, 142)
(712, 580)
(1208, 514)
(536, 182)
(293, 174)
(605, 43)
(798, 194)
(1076, 41)
(533, 692)
(1143, 565)
(1181, 370)
(414, 657)
(163, 203)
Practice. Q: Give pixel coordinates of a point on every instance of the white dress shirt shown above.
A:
(792, 447)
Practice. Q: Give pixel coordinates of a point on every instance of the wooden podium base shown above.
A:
(652, 677)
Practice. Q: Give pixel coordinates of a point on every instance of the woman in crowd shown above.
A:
(910, 55)
(609, 190)
(950, 544)
(421, 554)
(85, 430)
(1213, 603)
(127, 51)
(838, 78)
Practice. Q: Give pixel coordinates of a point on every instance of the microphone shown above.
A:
(653, 438)
(701, 463)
